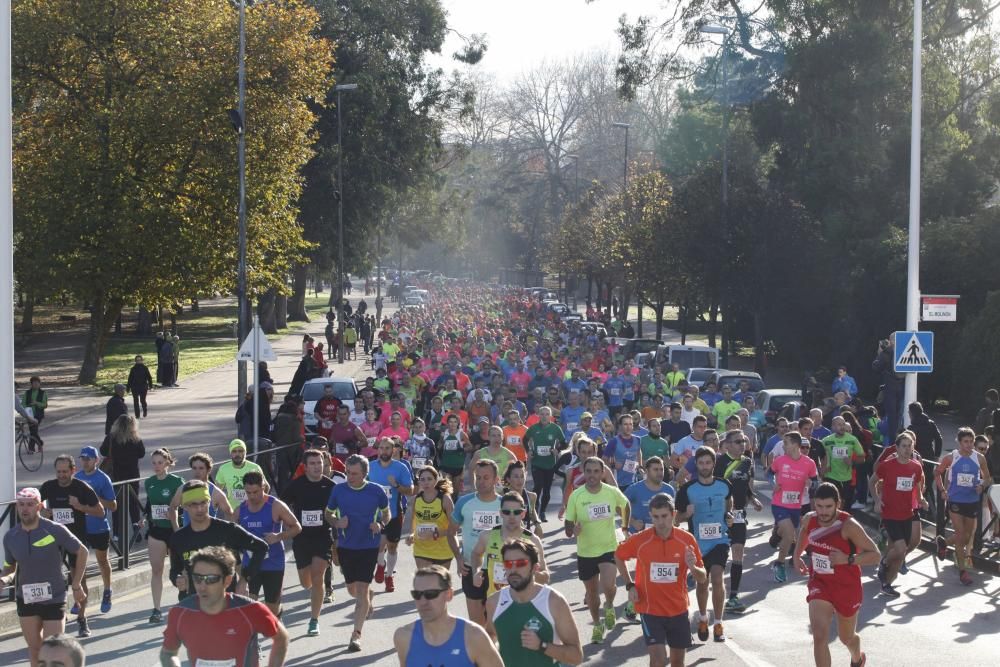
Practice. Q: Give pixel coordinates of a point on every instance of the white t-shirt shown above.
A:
(689, 415)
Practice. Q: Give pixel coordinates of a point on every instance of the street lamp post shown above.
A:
(576, 193)
(626, 127)
(721, 30)
(340, 219)
(8, 472)
(239, 124)
(913, 241)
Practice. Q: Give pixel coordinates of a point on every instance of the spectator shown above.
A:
(115, 407)
(929, 440)
(288, 430)
(176, 365)
(36, 399)
(164, 360)
(892, 386)
(302, 373)
(139, 382)
(125, 449)
(845, 383)
(983, 419)
(244, 417)
(160, 368)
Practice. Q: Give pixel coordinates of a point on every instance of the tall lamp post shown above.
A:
(913, 241)
(7, 465)
(576, 193)
(711, 29)
(340, 218)
(238, 118)
(626, 127)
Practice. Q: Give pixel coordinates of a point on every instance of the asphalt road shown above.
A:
(936, 619)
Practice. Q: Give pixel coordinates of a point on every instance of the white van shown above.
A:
(688, 356)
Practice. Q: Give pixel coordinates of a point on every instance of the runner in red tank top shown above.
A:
(837, 547)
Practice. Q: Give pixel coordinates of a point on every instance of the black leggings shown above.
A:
(543, 486)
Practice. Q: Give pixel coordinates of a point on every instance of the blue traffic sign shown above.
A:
(914, 351)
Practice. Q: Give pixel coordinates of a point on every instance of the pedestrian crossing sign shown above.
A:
(914, 351)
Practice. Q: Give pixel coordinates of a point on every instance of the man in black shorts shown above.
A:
(41, 587)
(313, 547)
(271, 520)
(70, 501)
(737, 468)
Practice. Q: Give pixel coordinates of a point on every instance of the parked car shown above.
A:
(698, 376)
(724, 378)
(557, 308)
(571, 317)
(634, 346)
(688, 356)
(413, 302)
(344, 388)
(771, 401)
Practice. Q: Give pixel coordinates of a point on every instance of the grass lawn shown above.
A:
(207, 341)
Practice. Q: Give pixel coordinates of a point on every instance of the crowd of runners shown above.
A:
(483, 387)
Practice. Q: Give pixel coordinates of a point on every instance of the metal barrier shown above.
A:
(125, 547)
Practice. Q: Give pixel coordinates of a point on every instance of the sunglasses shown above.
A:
(520, 562)
(206, 578)
(514, 512)
(429, 594)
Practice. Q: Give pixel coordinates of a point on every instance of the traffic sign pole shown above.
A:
(256, 382)
(913, 242)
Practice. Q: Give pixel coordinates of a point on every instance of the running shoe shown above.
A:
(106, 601)
(860, 663)
(778, 569)
(380, 574)
(718, 634)
(390, 586)
(597, 636)
(703, 631)
(329, 595)
(313, 630)
(734, 605)
(609, 618)
(541, 518)
(890, 591)
(965, 578)
(156, 617)
(942, 547)
(355, 644)
(630, 611)
(83, 628)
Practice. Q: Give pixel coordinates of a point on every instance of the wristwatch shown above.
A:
(850, 559)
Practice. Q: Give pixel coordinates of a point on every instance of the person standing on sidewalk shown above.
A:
(125, 448)
(139, 382)
(115, 407)
(36, 399)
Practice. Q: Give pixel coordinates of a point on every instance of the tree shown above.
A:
(125, 174)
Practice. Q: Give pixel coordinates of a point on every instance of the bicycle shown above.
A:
(29, 447)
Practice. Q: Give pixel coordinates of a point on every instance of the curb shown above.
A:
(123, 582)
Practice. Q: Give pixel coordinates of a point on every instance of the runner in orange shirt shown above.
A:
(664, 555)
(513, 436)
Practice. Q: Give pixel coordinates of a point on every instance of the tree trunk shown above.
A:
(760, 361)
(102, 316)
(28, 314)
(638, 321)
(144, 322)
(265, 312)
(713, 321)
(281, 311)
(682, 313)
(659, 314)
(297, 302)
(590, 285)
(334, 289)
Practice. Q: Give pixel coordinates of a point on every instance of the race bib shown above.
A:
(904, 483)
(240, 496)
(499, 573)
(822, 564)
(514, 440)
(201, 662)
(483, 521)
(615, 391)
(371, 442)
(709, 531)
(545, 451)
(631, 465)
(160, 512)
(599, 512)
(426, 531)
(451, 445)
(739, 516)
(34, 593)
(840, 452)
(663, 573)
(340, 448)
(312, 518)
(571, 426)
(63, 515)
(966, 479)
(791, 497)
(419, 462)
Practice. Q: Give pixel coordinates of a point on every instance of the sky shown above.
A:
(523, 33)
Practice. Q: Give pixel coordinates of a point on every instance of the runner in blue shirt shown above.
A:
(614, 386)
(359, 511)
(707, 503)
(397, 481)
(623, 453)
(640, 493)
(569, 416)
(99, 528)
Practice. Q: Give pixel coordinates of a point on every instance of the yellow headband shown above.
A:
(195, 495)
